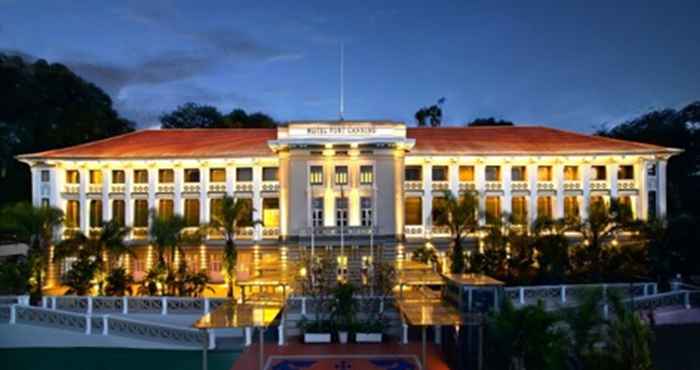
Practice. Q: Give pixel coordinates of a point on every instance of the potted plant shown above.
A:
(316, 331)
(343, 309)
(315, 283)
(370, 331)
(383, 280)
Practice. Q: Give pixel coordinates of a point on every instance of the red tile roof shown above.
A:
(211, 143)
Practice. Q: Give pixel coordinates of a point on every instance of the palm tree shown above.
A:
(166, 234)
(460, 214)
(233, 213)
(35, 227)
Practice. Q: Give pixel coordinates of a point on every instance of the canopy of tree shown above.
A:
(46, 106)
(192, 115)
(489, 122)
(430, 115)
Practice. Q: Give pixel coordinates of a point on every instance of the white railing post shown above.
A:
(563, 294)
(381, 305)
(303, 305)
(280, 334)
(605, 311)
(23, 300)
(105, 325)
(53, 303)
(686, 300)
(211, 338)
(88, 324)
(645, 293)
(654, 289)
(13, 314)
(164, 306)
(248, 336)
(206, 306)
(438, 334)
(89, 305)
(404, 333)
(125, 305)
(44, 302)
(521, 292)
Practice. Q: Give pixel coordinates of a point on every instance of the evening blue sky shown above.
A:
(573, 65)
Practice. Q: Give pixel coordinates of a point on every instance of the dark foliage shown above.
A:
(14, 276)
(489, 122)
(431, 115)
(192, 115)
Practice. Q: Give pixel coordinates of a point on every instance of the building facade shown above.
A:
(346, 188)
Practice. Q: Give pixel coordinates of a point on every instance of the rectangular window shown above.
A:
(651, 170)
(414, 173)
(518, 173)
(366, 175)
(466, 173)
(625, 172)
(165, 208)
(317, 212)
(341, 175)
(571, 173)
(316, 175)
(166, 176)
(341, 212)
(596, 200)
(118, 177)
(140, 176)
(270, 173)
(440, 173)
(519, 210)
(140, 213)
(493, 209)
(192, 212)
(651, 209)
(544, 173)
(413, 207)
(544, 207)
(244, 174)
(439, 214)
(217, 175)
(493, 173)
(192, 175)
(45, 203)
(216, 210)
(247, 218)
(366, 211)
(571, 208)
(598, 173)
(45, 177)
(626, 209)
(73, 177)
(95, 177)
(72, 214)
(271, 212)
(95, 213)
(119, 212)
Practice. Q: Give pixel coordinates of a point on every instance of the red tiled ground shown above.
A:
(249, 357)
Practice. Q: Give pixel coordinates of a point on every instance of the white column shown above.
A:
(36, 186)
(480, 186)
(257, 200)
(586, 184)
(661, 189)
(506, 174)
(177, 192)
(559, 188)
(128, 202)
(84, 206)
(353, 194)
(427, 196)
(152, 185)
(454, 177)
(612, 177)
(106, 204)
(230, 180)
(640, 177)
(532, 185)
(203, 190)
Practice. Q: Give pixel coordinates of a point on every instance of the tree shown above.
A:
(460, 214)
(166, 234)
(431, 114)
(488, 122)
(46, 106)
(33, 226)
(192, 115)
(238, 118)
(552, 245)
(118, 282)
(234, 213)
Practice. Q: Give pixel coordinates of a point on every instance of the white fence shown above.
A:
(560, 295)
(126, 305)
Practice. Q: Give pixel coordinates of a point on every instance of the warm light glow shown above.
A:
(149, 257)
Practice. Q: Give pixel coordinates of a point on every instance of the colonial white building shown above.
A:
(339, 185)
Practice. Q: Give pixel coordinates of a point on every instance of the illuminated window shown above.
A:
(244, 174)
(341, 175)
(571, 208)
(366, 175)
(544, 173)
(440, 173)
(72, 214)
(166, 176)
(140, 213)
(216, 209)
(414, 173)
(518, 173)
(270, 173)
(413, 206)
(439, 212)
(341, 212)
(466, 173)
(519, 210)
(217, 175)
(119, 212)
(165, 208)
(191, 174)
(625, 173)
(118, 177)
(625, 205)
(95, 177)
(598, 173)
(316, 175)
(493, 173)
(45, 203)
(95, 213)
(45, 176)
(271, 212)
(73, 177)
(140, 176)
(544, 207)
(192, 212)
(247, 218)
(597, 200)
(366, 211)
(317, 212)
(493, 209)
(571, 173)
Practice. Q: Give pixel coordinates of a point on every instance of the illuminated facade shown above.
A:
(341, 186)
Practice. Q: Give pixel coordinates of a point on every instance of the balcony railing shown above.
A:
(346, 230)
(545, 185)
(270, 186)
(94, 188)
(95, 231)
(117, 188)
(467, 186)
(493, 185)
(599, 185)
(440, 185)
(139, 188)
(413, 185)
(518, 185)
(244, 186)
(191, 188)
(413, 231)
(166, 188)
(71, 188)
(69, 232)
(270, 232)
(139, 233)
(217, 187)
(626, 184)
(572, 185)
(440, 230)
(245, 232)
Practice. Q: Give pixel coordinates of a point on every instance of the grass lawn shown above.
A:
(111, 359)
(676, 347)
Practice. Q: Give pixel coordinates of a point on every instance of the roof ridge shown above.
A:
(82, 145)
(611, 139)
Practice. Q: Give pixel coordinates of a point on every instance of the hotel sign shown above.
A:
(338, 131)
(341, 131)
